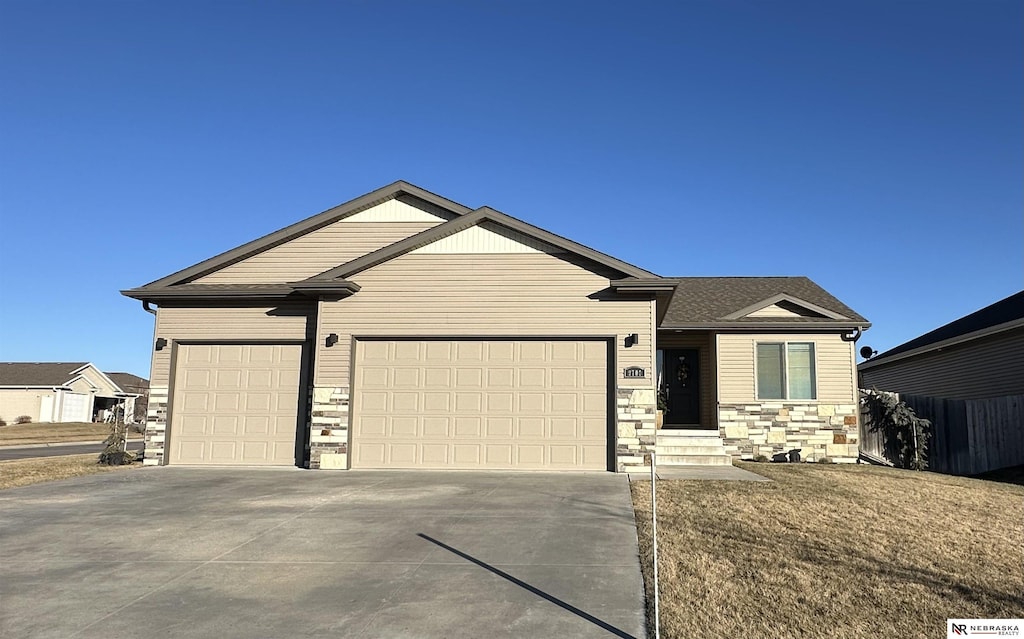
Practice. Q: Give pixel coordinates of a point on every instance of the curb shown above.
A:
(59, 444)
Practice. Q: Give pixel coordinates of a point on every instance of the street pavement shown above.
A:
(8, 453)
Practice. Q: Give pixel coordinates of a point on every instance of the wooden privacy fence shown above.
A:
(968, 436)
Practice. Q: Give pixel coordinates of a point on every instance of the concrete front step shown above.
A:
(689, 441)
(690, 450)
(687, 432)
(694, 460)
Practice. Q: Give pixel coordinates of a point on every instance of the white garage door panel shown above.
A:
(236, 404)
(75, 408)
(481, 404)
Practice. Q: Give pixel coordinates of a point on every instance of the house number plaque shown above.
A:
(635, 371)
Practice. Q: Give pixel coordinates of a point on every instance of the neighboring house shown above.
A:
(977, 356)
(967, 379)
(404, 330)
(60, 392)
(138, 386)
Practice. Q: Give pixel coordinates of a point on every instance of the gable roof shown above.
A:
(391, 191)
(38, 373)
(129, 383)
(1004, 315)
(724, 302)
(480, 215)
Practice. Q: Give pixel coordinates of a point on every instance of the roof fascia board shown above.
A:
(172, 294)
(946, 343)
(305, 226)
(645, 285)
(483, 214)
(101, 374)
(746, 326)
(783, 297)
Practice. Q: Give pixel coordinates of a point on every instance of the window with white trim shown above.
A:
(785, 370)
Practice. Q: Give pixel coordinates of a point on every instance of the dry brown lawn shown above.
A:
(833, 551)
(15, 434)
(22, 472)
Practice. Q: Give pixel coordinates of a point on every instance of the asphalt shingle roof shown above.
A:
(37, 373)
(712, 299)
(129, 383)
(1003, 311)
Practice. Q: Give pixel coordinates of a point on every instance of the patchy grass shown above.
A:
(15, 434)
(833, 551)
(22, 472)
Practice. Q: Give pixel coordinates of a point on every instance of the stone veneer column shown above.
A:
(769, 428)
(635, 410)
(156, 427)
(328, 428)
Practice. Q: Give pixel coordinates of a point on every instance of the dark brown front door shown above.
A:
(681, 386)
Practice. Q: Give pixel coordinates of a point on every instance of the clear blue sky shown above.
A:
(875, 146)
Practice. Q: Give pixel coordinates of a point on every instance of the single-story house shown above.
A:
(978, 356)
(404, 330)
(61, 392)
(967, 379)
(135, 385)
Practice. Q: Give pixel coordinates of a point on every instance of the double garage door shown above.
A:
(455, 404)
(475, 404)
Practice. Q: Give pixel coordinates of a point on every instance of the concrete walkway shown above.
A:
(190, 553)
(712, 473)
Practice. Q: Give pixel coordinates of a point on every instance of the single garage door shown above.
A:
(75, 408)
(475, 404)
(236, 404)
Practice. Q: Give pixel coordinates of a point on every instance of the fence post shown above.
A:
(654, 539)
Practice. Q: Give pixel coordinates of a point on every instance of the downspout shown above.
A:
(852, 336)
(145, 307)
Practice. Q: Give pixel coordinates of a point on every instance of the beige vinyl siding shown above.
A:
(485, 238)
(833, 366)
(97, 380)
(81, 386)
(17, 402)
(987, 367)
(774, 311)
(493, 295)
(704, 343)
(316, 252)
(229, 323)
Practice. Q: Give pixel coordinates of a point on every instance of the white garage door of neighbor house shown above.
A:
(235, 404)
(475, 404)
(75, 408)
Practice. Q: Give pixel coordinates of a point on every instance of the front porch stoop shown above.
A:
(691, 447)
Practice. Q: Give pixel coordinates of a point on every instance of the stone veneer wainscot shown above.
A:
(156, 427)
(769, 428)
(635, 410)
(328, 428)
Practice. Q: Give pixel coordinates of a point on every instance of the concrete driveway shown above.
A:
(185, 552)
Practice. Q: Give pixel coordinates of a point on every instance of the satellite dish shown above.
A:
(867, 352)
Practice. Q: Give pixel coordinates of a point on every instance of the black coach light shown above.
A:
(331, 340)
(160, 343)
(632, 339)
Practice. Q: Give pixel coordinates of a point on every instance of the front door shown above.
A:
(680, 386)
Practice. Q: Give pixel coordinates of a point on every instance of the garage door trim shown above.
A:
(302, 411)
(610, 342)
